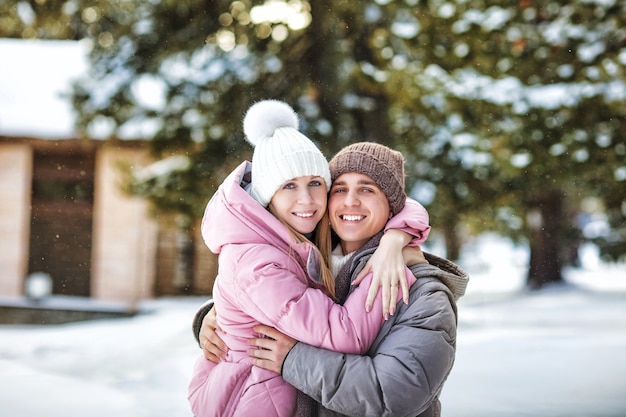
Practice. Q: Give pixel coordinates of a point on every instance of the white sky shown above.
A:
(558, 352)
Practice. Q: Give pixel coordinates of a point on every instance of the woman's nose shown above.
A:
(305, 196)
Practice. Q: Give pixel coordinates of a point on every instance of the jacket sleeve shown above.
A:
(277, 298)
(403, 373)
(196, 325)
(412, 219)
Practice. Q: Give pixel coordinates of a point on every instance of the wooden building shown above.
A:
(63, 210)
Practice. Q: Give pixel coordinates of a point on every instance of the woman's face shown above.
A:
(358, 209)
(300, 202)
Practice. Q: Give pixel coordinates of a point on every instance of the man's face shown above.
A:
(358, 210)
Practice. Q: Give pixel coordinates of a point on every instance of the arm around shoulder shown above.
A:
(412, 219)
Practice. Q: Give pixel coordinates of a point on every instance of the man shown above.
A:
(405, 369)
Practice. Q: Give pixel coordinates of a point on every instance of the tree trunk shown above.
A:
(546, 223)
(453, 244)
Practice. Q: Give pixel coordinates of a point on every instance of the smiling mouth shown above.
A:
(304, 215)
(351, 218)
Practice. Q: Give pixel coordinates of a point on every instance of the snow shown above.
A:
(35, 79)
(556, 352)
(163, 167)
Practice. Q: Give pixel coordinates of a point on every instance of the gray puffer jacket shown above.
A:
(406, 367)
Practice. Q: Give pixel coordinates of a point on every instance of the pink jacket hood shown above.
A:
(232, 216)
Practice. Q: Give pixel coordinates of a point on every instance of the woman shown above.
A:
(269, 270)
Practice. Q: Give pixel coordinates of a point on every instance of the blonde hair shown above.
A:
(322, 242)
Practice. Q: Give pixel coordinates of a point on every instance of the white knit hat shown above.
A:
(281, 152)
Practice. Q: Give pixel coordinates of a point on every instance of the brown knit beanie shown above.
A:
(382, 164)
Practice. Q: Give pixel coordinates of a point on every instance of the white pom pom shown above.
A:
(264, 117)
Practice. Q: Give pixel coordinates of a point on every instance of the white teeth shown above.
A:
(304, 215)
(351, 218)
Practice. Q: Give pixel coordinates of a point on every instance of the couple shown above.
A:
(270, 273)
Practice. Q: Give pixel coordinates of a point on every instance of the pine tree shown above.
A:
(510, 114)
(529, 98)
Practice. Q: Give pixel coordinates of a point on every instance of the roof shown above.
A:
(35, 86)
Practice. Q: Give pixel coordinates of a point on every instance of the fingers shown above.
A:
(264, 359)
(213, 346)
(390, 282)
(269, 353)
(393, 296)
(275, 341)
(210, 353)
(371, 296)
(268, 331)
(404, 285)
(262, 343)
(385, 294)
(390, 289)
(211, 318)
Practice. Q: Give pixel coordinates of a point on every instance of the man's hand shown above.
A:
(271, 350)
(213, 346)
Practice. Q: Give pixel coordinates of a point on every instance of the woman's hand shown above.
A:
(389, 269)
(213, 346)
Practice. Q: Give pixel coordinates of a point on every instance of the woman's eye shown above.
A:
(315, 183)
(289, 186)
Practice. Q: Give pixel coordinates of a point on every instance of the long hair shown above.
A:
(322, 237)
(321, 241)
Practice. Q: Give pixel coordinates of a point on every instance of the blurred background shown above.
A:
(118, 119)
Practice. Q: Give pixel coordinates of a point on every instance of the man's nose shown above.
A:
(352, 199)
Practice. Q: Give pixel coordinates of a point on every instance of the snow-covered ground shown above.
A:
(557, 352)
(554, 353)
